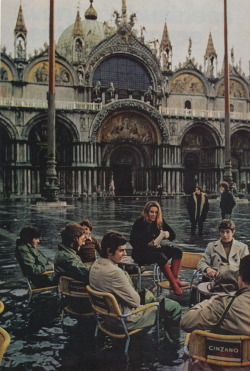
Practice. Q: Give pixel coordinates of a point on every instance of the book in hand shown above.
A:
(159, 238)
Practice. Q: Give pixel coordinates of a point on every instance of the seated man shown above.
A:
(106, 276)
(87, 252)
(32, 261)
(206, 315)
(67, 262)
(224, 253)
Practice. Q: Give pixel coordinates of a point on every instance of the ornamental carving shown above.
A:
(5, 72)
(126, 126)
(40, 73)
(129, 105)
(235, 88)
(187, 84)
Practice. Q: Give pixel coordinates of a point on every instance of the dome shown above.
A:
(93, 33)
(91, 12)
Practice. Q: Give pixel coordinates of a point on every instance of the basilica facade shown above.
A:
(124, 115)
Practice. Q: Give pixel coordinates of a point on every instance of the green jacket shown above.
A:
(68, 263)
(31, 260)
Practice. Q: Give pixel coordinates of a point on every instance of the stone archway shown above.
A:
(200, 157)
(124, 164)
(127, 165)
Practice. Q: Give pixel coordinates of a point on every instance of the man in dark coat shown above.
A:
(32, 261)
(198, 207)
(67, 262)
(227, 201)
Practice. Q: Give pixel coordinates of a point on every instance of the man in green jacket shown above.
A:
(67, 262)
(32, 261)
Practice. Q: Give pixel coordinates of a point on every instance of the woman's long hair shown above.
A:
(144, 214)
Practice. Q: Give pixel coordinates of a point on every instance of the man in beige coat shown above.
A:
(205, 315)
(224, 253)
(106, 276)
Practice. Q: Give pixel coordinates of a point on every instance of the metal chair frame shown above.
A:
(4, 342)
(189, 260)
(1, 307)
(139, 273)
(68, 287)
(33, 290)
(4, 336)
(105, 307)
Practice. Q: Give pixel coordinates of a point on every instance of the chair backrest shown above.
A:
(70, 287)
(190, 260)
(224, 350)
(4, 342)
(104, 303)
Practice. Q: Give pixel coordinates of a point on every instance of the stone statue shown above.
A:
(19, 49)
(189, 46)
(148, 95)
(110, 93)
(97, 92)
(232, 55)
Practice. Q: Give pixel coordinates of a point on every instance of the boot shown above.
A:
(169, 275)
(175, 267)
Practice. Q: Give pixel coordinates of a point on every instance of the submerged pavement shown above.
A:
(38, 340)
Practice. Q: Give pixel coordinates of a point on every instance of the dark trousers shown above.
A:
(194, 224)
(158, 255)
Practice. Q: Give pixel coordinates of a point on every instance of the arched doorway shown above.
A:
(200, 156)
(191, 162)
(128, 140)
(124, 162)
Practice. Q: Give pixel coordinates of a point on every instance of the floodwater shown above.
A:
(38, 339)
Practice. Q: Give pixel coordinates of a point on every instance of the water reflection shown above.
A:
(38, 340)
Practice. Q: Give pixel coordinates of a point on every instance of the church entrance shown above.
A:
(191, 162)
(125, 162)
(122, 175)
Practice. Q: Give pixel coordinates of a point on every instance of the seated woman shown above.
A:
(87, 252)
(32, 261)
(223, 254)
(144, 231)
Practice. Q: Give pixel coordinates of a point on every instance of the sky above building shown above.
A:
(184, 18)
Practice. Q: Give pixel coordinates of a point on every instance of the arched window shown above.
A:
(125, 73)
(231, 108)
(188, 104)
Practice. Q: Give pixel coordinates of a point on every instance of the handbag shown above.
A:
(226, 281)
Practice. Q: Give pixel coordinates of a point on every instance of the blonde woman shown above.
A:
(142, 238)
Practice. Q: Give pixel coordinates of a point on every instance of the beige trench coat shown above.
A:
(206, 314)
(106, 276)
(215, 256)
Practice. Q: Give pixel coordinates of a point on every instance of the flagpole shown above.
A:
(228, 164)
(51, 181)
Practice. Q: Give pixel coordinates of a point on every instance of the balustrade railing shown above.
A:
(35, 103)
(203, 113)
(173, 111)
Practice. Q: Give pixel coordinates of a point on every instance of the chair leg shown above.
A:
(30, 296)
(158, 324)
(139, 278)
(62, 317)
(96, 331)
(127, 345)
